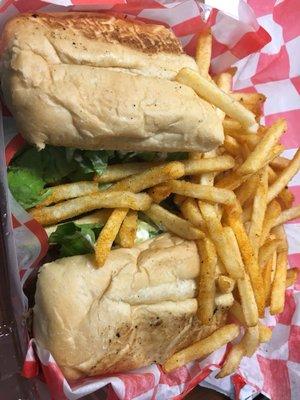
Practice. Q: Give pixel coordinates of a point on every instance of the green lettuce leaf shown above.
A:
(75, 239)
(26, 186)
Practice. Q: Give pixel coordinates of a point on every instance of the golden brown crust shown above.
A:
(148, 38)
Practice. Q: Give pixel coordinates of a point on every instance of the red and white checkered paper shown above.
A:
(268, 65)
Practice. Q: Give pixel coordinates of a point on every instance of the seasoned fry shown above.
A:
(152, 177)
(217, 97)
(225, 284)
(267, 250)
(287, 215)
(159, 192)
(173, 223)
(248, 302)
(284, 177)
(272, 212)
(69, 191)
(250, 140)
(286, 198)
(224, 300)
(252, 101)
(207, 287)
(278, 285)
(224, 82)
(231, 181)
(202, 348)
(258, 212)
(190, 210)
(223, 245)
(202, 192)
(279, 233)
(117, 172)
(233, 216)
(247, 189)
(231, 126)
(215, 164)
(71, 208)
(231, 145)
(108, 234)
(268, 272)
(128, 229)
(261, 154)
(280, 163)
(291, 276)
(203, 52)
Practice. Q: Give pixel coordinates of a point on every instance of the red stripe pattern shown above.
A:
(274, 70)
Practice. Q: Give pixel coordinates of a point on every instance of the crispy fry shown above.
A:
(214, 164)
(69, 191)
(287, 215)
(258, 212)
(280, 163)
(108, 235)
(231, 145)
(202, 348)
(265, 333)
(231, 126)
(218, 98)
(272, 176)
(280, 234)
(224, 300)
(225, 284)
(233, 359)
(261, 154)
(224, 82)
(223, 245)
(159, 192)
(278, 285)
(152, 177)
(173, 223)
(252, 101)
(268, 272)
(128, 229)
(233, 216)
(207, 287)
(251, 340)
(267, 250)
(248, 302)
(74, 207)
(203, 52)
(190, 210)
(117, 172)
(231, 181)
(272, 212)
(247, 189)
(247, 214)
(250, 140)
(286, 198)
(202, 192)
(284, 177)
(291, 276)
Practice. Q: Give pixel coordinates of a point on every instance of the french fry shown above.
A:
(173, 223)
(224, 300)
(278, 285)
(207, 287)
(291, 276)
(72, 208)
(268, 272)
(160, 192)
(265, 333)
(286, 198)
(247, 189)
(117, 172)
(287, 215)
(267, 250)
(224, 82)
(251, 340)
(231, 145)
(178, 199)
(258, 212)
(97, 217)
(261, 154)
(225, 284)
(108, 234)
(69, 191)
(247, 214)
(230, 126)
(233, 217)
(280, 234)
(252, 101)
(202, 192)
(284, 177)
(272, 175)
(218, 98)
(223, 245)
(250, 140)
(151, 177)
(280, 163)
(272, 212)
(203, 347)
(190, 210)
(203, 52)
(231, 181)
(214, 164)
(248, 301)
(127, 232)
(232, 361)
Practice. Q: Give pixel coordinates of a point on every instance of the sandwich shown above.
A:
(157, 224)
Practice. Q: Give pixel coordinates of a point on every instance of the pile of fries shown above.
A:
(232, 202)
